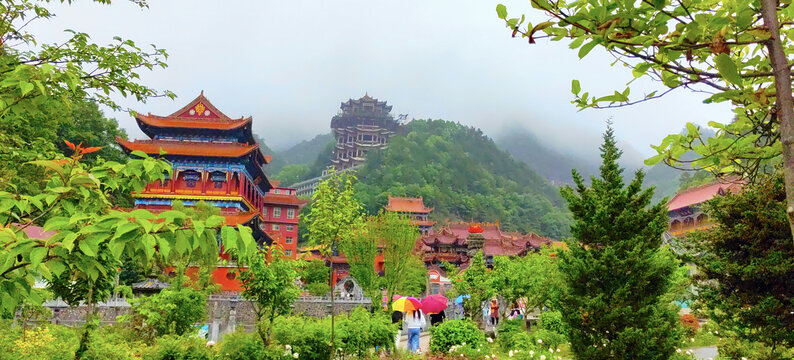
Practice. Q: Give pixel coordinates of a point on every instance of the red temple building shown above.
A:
(452, 244)
(685, 210)
(281, 217)
(414, 208)
(216, 160)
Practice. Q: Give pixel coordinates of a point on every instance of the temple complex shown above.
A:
(456, 242)
(685, 211)
(361, 126)
(415, 209)
(216, 160)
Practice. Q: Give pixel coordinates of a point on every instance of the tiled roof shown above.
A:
(237, 219)
(150, 284)
(409, 205)
(701, 194)
(193, 148)
(191, 123)
(284, 199)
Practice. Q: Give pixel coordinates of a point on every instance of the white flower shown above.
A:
(489, 340)
(531, 352)
(692, 339)
(716, 332)
(558, 350)
(540, 341)
(478, 350)
(295, 355)
(464, 344)
(288, 347)
(551, 350)
(510, 354)
(543, 357)
(678, 350)
(210, 343)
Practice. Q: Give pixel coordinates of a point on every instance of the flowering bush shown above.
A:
(691, 324)
(172, 347)
(41, 342)
(455, 332)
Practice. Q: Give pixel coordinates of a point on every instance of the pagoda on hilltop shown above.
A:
(215, 159)
(415, 209)
(361, 126)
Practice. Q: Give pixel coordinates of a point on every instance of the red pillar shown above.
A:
(173, 181)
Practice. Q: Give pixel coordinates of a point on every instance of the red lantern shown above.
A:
(475, 229)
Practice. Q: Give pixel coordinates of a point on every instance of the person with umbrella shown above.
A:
(413, 320)
(435, 306)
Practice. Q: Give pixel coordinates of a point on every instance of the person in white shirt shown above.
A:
(414, 321)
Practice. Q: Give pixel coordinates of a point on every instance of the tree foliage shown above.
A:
(360, 252)
(462, 175)
(269, 283)
(746, 264)
(398, 239)
(474, 283)
(75, 204)
(616, 272)
(172, 311)
(535, 277)
(734, 52)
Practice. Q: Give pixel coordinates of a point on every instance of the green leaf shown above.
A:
(501, 11)
(640, 69)
(26, 87)
(36, 255)
(585, 49)
(727, 69)
(575, 87)
(198, 225)
(87, 248)
(125, 228)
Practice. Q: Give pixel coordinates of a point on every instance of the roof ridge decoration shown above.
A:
(200, 108)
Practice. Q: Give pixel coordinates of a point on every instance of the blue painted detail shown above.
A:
(224, 204)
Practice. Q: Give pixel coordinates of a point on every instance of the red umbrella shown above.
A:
(434, 304)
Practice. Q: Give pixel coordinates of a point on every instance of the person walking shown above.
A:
(494, 312)
(438, 318)
(414, 321)
(397, 318)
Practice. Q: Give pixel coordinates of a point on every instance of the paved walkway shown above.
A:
(424, 342)
(709, 352)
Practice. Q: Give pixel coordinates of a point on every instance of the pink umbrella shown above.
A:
(434, 304)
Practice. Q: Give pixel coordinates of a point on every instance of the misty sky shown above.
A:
(290, 63)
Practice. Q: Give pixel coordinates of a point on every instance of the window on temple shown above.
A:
(288, 252)
(276, 191)
(290, 239)
(218, 178)
(264, 211)
(276, 227)
(290, 213)
(191, 177)
(290, 227)
(276, 212)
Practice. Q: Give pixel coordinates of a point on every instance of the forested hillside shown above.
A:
(463, 175)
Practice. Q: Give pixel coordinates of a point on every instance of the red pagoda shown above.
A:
(216, 160)
(415, 209)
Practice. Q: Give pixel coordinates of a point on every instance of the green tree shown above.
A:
(616, 272)
(269, 284)
(90, 234)
(292, 173)
(335, 215)
(737, 51)
(89, 125)
(535, 277)
(745, 265)
(414, 282)
(398, 238)
(474, 282)
(174, 310)
(361, 252)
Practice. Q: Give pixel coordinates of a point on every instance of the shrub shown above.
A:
(318, 289)
(552, 321)
(41, 342)
(240, 345)
(455, 332)
(508, 330)
(548, 339)
(111, 343)
(690, 324)
(309, 337)
(172, 347)
(171, 311)
(363, 331)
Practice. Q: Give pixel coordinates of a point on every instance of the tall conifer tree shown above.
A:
(617, 271)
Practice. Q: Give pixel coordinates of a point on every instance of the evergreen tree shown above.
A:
(616, 272)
